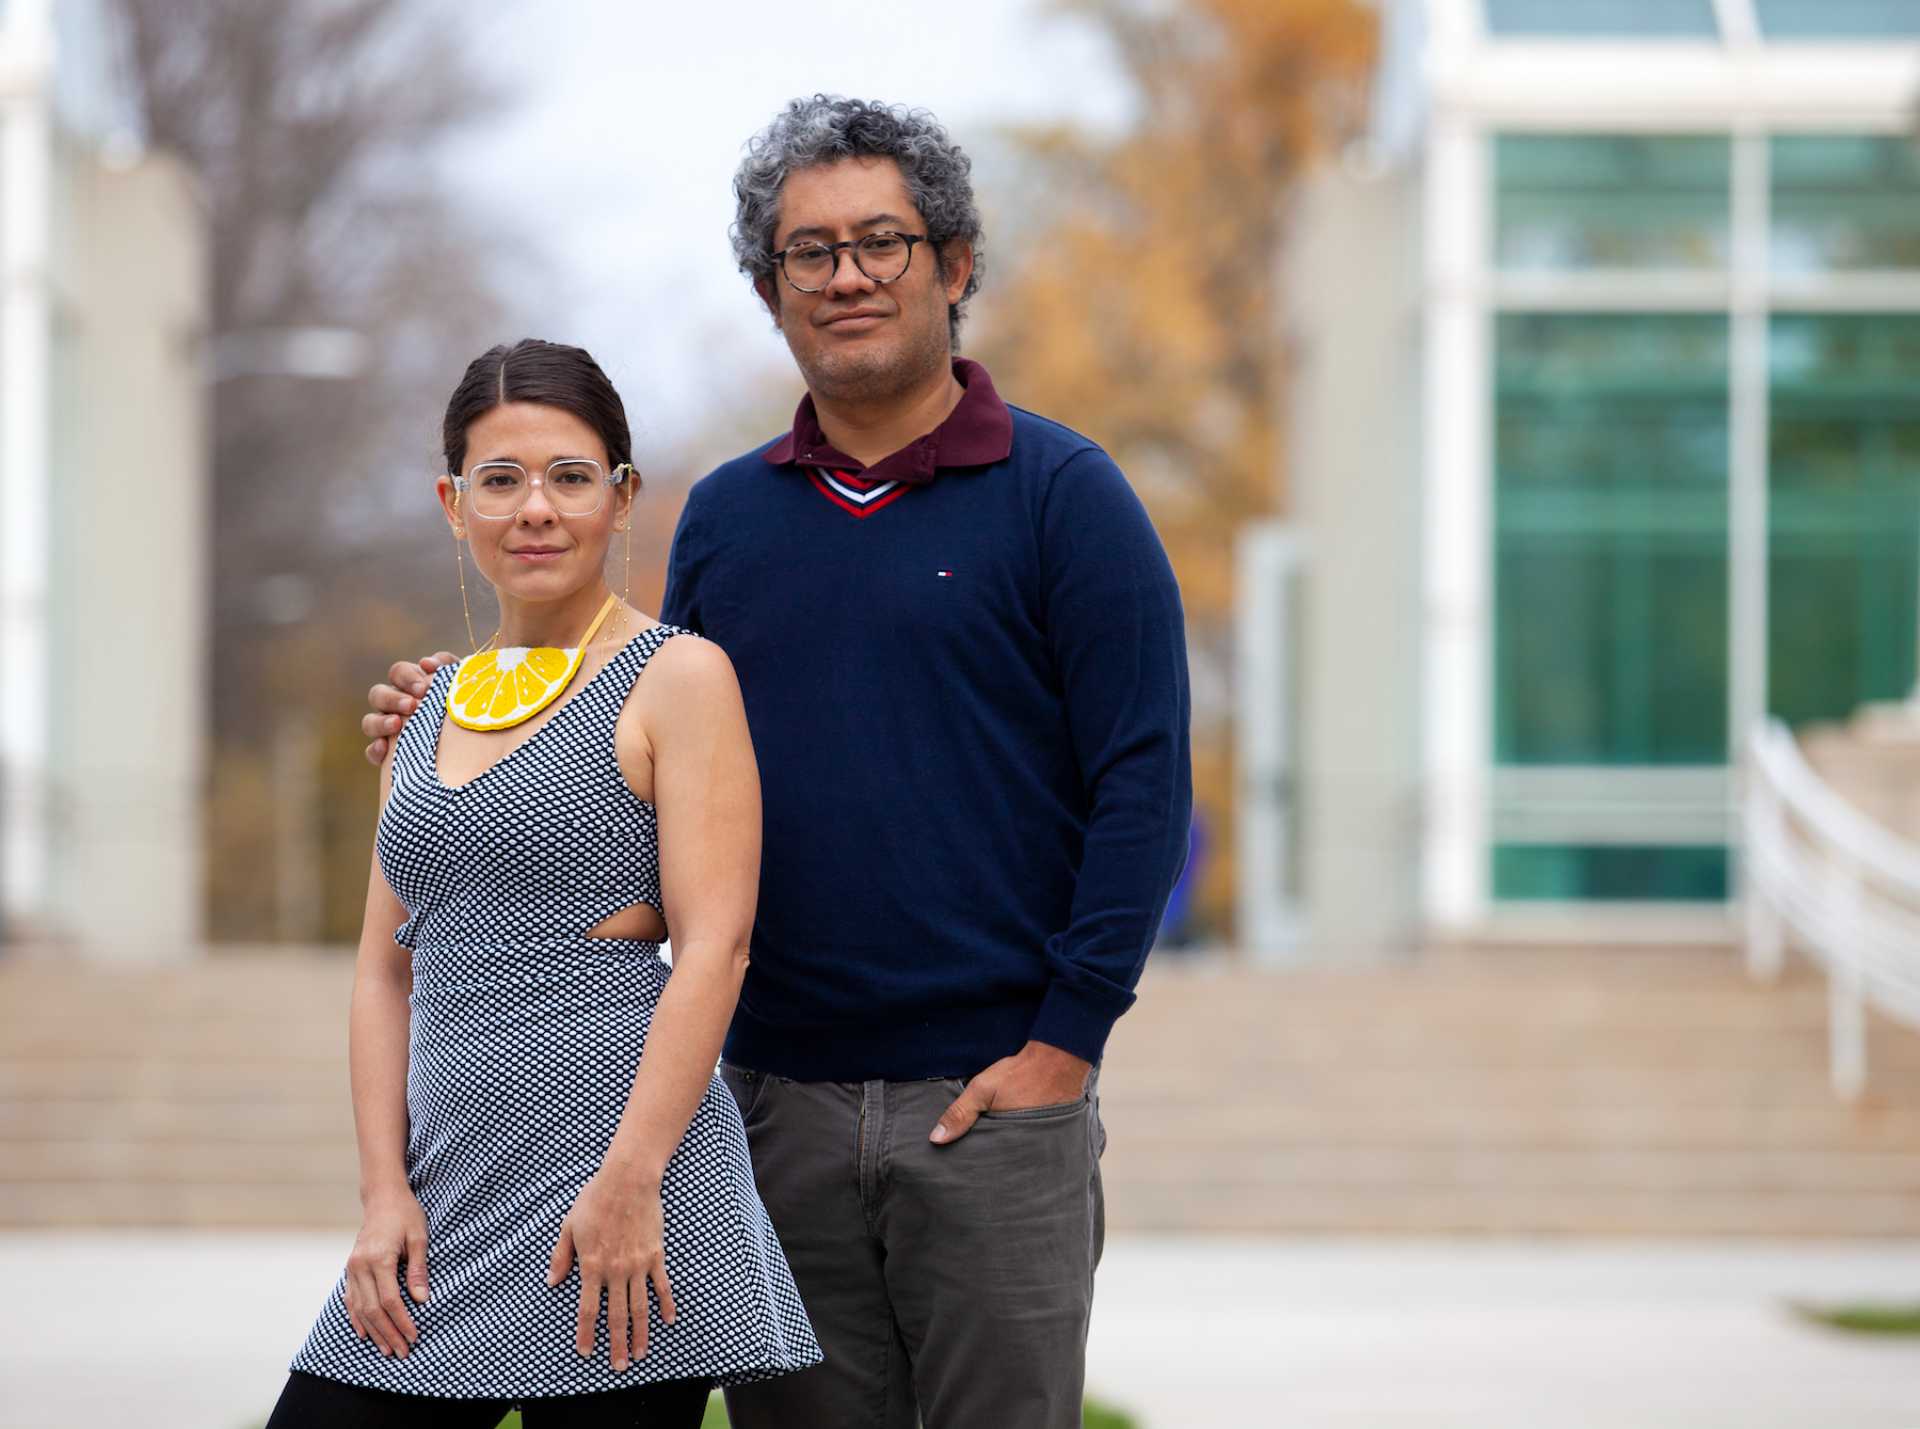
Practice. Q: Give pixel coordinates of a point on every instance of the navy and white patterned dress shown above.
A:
(525, 1034)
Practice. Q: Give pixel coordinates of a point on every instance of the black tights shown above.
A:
(311, 1401)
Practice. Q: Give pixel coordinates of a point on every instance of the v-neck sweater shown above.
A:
(970, 712)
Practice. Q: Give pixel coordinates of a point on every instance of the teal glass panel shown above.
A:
(1845, 201)
(1690, 19)
(1574, 201)
(1610, 541)
(1609, 872)
(1843, 540)
(1836, 19)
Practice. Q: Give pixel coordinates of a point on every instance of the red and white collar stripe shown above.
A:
(854, 494)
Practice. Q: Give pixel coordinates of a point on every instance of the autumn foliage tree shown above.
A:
(1142, 307)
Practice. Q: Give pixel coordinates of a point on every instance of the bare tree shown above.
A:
(337, 253)
(349, 288)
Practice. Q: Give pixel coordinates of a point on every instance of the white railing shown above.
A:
(1844, 887)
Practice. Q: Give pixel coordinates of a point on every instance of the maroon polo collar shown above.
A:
(977, 432)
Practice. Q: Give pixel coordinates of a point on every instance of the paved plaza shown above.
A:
(189, 1330)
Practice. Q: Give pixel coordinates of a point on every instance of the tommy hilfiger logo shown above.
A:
(855, 495)
(944, 575)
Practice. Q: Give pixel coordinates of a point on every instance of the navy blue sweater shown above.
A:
(970, 712)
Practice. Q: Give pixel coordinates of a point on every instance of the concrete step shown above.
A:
(1224, 1207)
(1135, 1152)
(1645, 1091)
(52, 1205)
(1501, 1170)
(248, 1121)
(121, 1074)
(1243, 1209)
(1171, 1123)
(181, 1162)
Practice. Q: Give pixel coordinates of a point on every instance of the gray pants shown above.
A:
(946, 1283)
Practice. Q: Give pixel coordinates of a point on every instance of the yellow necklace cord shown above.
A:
(600, 619)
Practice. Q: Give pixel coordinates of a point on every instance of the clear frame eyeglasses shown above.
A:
(575, 486)
(883, 257)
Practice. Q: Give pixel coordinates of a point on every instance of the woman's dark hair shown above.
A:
(550, 373)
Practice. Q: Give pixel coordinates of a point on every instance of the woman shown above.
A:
(567, 796)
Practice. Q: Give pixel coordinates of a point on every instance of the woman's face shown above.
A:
(538, 553)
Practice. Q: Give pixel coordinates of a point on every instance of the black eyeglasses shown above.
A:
(882, 257)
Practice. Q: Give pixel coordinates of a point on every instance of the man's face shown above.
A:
(857, 340)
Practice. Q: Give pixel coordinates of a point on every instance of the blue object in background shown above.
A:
(1176, 929)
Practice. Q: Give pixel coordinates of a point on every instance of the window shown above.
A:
(1584, 872)
(1836, 19)
(1843, 541)
(1637, 19)
(1583, 201)
(1610, 547)
(1845, 202)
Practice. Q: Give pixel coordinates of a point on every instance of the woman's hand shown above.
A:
(394, 1228)
(617, 1230)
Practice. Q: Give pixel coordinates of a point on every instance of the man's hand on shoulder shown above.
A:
(1039, 1074)
(395, 700)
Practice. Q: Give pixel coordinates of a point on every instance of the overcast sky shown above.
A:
(630, 122)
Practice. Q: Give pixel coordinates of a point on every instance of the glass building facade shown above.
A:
(1614, 547)
(1612, 466)
(1673, 297)
(1701, 19)
(1661, 458)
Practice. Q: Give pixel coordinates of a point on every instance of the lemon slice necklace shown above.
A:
(499, 688)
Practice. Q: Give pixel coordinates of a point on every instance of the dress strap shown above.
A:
(420, 735)
(632, 660)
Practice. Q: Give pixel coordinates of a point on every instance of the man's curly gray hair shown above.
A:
(826, 128)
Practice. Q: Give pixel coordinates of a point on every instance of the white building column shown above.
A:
(1267, 561)
(1457, 408)
(1749, 398)
(130, 575)
(26, 53)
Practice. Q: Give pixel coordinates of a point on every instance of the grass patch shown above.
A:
(1888, 1320)
(1105, 1416)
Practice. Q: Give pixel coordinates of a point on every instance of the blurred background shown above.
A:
(1528, 394)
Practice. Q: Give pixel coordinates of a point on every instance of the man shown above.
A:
(963, 658)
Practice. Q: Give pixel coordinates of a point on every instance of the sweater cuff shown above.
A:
(1075, 1021)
